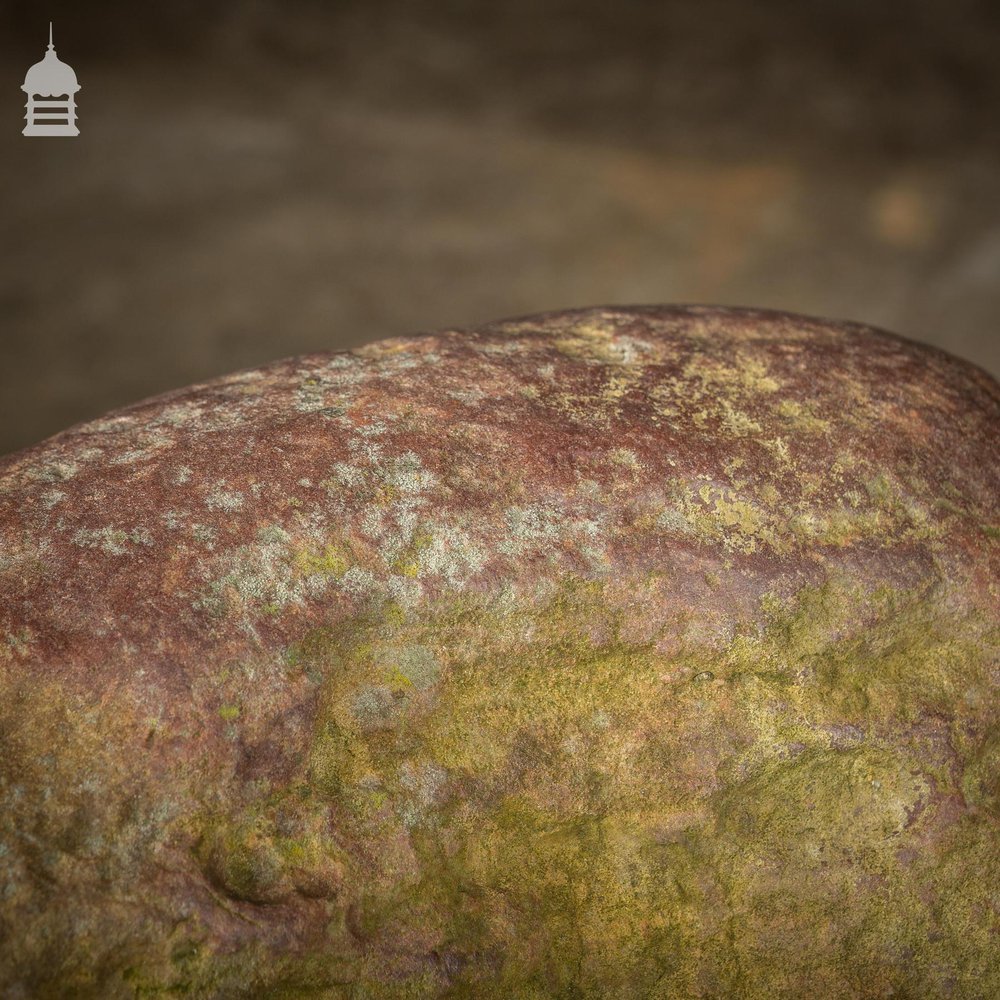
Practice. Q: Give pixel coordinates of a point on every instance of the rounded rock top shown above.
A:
(761, 445)
(600, 652)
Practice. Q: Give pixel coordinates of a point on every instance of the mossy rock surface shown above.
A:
(611, 653)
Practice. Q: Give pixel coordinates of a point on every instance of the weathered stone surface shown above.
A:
(613, 653)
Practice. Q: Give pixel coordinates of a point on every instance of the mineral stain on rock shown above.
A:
(611, 653)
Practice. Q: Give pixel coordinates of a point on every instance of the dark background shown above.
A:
(260, 179)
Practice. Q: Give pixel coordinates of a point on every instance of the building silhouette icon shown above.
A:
(51, 87)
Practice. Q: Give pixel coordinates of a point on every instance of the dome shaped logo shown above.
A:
(51, 86)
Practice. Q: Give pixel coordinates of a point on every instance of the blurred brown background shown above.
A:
(261, 179)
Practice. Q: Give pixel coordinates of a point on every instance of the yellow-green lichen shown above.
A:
(504, 797)
(650, 830)
(742, 520)
(330, 560)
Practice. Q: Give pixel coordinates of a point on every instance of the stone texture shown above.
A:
(609, 653)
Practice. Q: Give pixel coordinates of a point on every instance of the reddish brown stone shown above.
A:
(308, 674)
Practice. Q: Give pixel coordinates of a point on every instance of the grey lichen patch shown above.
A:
(373, 707)
(250, 578)
(423, 786)
(130, 457)
(328, 390)
(396, 359)
(57, 471)
(633, 351)
(28, 554)
(224, 499)
(277, 570)
(183, 414)
(414, 666)
(111, 540)
(243, 379)
(273, 534)
(16, 644)
(52, 498)
(204, 534)
(470, 396)
(673, 520)
(112, 424)
(400, 481)
(407, 474)
(311, 396)
(501, 348)
(173, 519)
(150, 444)
(531, 527)
(448, 552)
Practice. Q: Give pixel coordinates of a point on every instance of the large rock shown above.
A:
(613, 653)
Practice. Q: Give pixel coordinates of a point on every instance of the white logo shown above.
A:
(51, 86)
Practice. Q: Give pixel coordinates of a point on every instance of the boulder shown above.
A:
(612, 653)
